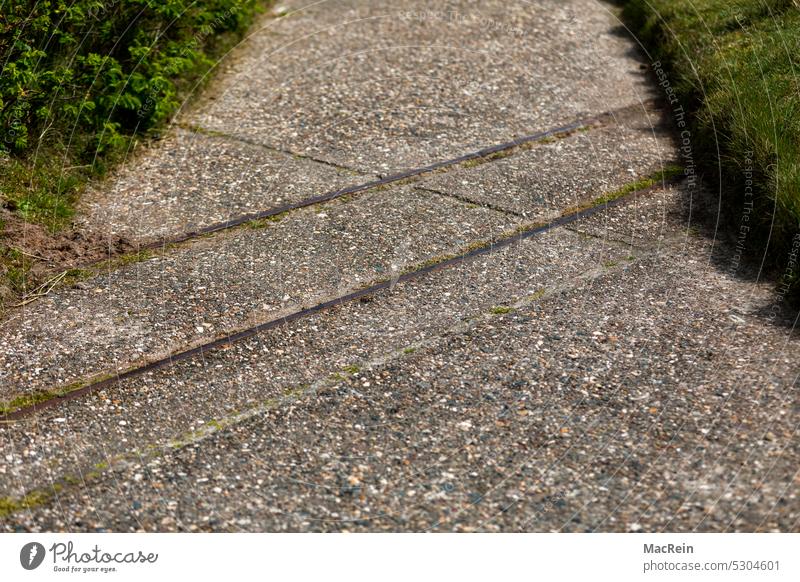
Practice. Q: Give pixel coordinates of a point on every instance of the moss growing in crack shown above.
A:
(25, 401)
(194, 128)
(296, 392)
(73, 276)
(131, 258)
(345, 198)
(17, 267)
(472, 163)
(480, 160)
(466, 249)
(428, 263)
(32, 500)
(37, 498)
(537, 295)
(267, 221)
(654, 179)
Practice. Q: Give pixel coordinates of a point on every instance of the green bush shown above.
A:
(81, 77)
(736, 65)
(106, 67)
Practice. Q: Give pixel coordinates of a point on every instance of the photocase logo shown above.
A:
(66, 558)
(31, 555)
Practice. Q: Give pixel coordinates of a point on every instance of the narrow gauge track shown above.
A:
(583, 123)
(484, 249)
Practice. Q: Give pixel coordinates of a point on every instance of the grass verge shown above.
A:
(731, 65)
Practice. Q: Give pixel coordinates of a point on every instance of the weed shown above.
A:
(536, 295)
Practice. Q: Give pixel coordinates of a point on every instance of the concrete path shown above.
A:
(399, 272)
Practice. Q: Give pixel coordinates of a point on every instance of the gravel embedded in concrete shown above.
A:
(652, 396)
(229, 281)
(190, 180)
(562, 173)
(387, 86)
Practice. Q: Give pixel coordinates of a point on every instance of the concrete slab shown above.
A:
(653, 395)
(191, 180)
(383, 87)
(540, 183)
(215, 285)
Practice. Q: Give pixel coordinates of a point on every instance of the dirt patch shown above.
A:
(31, 257)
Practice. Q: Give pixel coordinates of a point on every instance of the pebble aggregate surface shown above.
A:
(624, 372)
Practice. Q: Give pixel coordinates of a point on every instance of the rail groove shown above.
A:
(581, 123)
(159, 244)
(486, 248)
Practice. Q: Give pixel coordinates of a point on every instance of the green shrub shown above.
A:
(80, 78)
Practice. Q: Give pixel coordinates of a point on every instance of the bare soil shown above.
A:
(31, 255)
